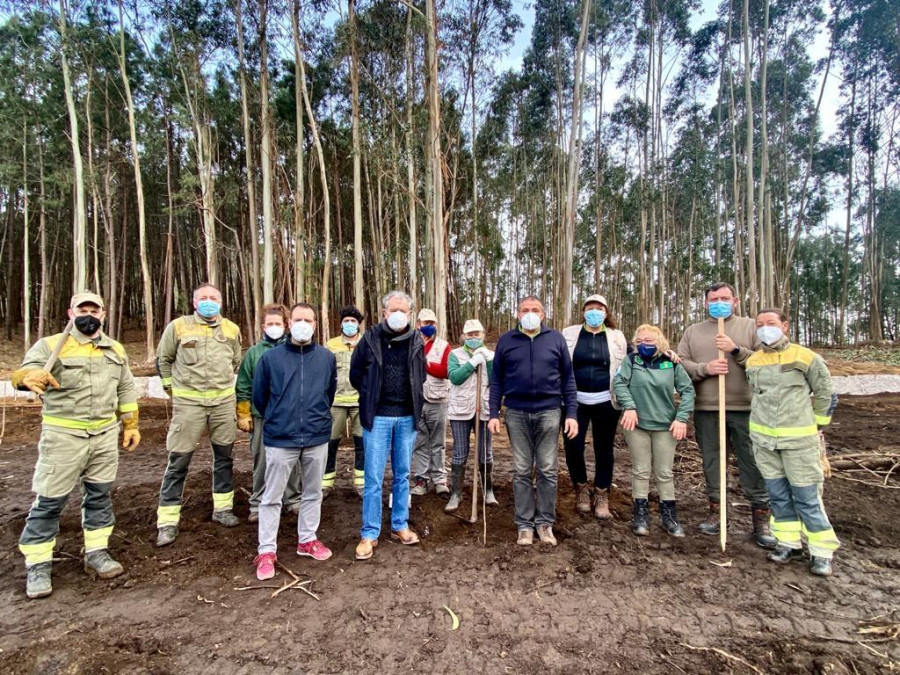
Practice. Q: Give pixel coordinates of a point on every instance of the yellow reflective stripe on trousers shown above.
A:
(786, 532)
(212, 393)
(128, 407)
(359, 477)
(77, 424)
(223, 501)
(823, 543)
(328, 479)
(784, 432)
(822, 420)
(96, 540)
(347, 399)
(166, 381)
(168, 515)
(38, 553)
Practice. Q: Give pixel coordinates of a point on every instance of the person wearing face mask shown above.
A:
(346, 403)
(248, 418)
(197, 357)
(388, 370)
(793, 400)
(85, 394)
(462, 367)
(645, 387)
(533, 376)
(597, 349)
(428, 454)
(293, 389)
(699, 351)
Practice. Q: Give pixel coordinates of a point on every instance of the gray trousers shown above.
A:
(428, 453)
(737, 430)
(280, 463)
(258, 453)
(534, 438)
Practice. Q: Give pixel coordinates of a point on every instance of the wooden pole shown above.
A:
(475, 476)
(723, 457)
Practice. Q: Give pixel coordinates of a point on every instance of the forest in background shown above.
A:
(302, 150)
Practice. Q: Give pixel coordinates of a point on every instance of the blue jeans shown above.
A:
(394, 437)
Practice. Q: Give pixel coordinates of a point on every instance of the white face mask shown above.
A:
(397, 321)
(769, 335)
(302, 331)
(274, 333)
(530, 321)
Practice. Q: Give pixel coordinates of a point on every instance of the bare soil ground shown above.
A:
(603, 600)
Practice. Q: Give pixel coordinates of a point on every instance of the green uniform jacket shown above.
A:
(244, 385)
(342, 348)
(198, 359)
(648, 387)
(782, 379)
(95, 382)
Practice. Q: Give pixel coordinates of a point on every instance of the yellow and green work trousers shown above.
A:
(340, 416)
(67, 457)
(189, 421)
(794, 482)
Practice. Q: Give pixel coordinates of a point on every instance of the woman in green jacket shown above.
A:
(645, 387)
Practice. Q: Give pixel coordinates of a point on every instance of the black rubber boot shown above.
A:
(761, 531)
(668, 513)
(488, 482)
(640, 523)
(457, 474)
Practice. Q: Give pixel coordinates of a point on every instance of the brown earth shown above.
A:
(602, 600)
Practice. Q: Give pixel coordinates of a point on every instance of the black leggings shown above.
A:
(604, 419)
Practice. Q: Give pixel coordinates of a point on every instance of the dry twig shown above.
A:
(722, 652)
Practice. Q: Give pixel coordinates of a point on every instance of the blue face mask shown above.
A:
(720, 309)
(208, 309)
(474, 343)
(594, 317)
(428, 331)
(349, 328)
(647, 351)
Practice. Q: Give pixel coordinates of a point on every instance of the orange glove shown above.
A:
(35, 379)
(244, 417)
(131, 437)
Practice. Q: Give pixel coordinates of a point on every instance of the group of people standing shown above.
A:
(394, 387)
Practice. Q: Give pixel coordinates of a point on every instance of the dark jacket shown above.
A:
(293, 389)
(533, 374)
(366, 371)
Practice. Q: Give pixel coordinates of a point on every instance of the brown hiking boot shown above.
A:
(710, 526)
(601, 504)
(761, 531)
(405, 536)
(582, 499)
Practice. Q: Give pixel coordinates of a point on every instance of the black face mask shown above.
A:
(87, 324)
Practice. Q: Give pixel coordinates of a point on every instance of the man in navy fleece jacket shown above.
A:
(533, 376)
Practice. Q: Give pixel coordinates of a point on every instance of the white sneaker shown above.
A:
(545, 534)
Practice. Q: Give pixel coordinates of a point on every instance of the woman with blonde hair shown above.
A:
(645, 388)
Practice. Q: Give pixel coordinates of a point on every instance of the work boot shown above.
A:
(710, 526)
(582, 499)
(820, 566)
(365, 548)
(405, 536)
(457, 473)
(784, 554)
(761, 532)
(102, 564)
(601, 504)
(545, 534)
(226, 518)
(166, 535)
(669, 516)
(640, 523)
(253, 517)
(526, 537)
(38, 584)
(419, 488)
(487, 471)
(441, 488)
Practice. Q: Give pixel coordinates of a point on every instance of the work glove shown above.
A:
(823, 456)
(477, 360)
(131, 437)
(244, 418)
(484, 353)
(34, 379)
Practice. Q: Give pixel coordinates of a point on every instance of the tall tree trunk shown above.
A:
(299, 186)
(753, 289)
(414, 284)
(26, 240)
(845, 257)
(766, 262)
(266, 158)
(358, 288)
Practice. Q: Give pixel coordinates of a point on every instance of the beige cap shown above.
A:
(594, 298)
(426, 314)
(84, 297)
(472, 326)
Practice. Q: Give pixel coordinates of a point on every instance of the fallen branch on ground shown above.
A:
(723, 653)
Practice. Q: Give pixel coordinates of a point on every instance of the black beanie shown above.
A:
(352, 312)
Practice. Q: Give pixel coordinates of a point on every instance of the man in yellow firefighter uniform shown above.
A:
(86, 392)
(197, 358)
(793, 398)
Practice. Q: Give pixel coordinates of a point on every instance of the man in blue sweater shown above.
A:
(533, 376)
(293, 390)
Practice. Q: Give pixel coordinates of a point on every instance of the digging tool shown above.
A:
(723, 535)
(54, 355)
(475, 475)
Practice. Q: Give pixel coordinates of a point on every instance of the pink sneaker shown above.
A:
(265, 565)
(314, 549)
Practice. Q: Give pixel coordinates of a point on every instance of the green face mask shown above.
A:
(474, 343)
